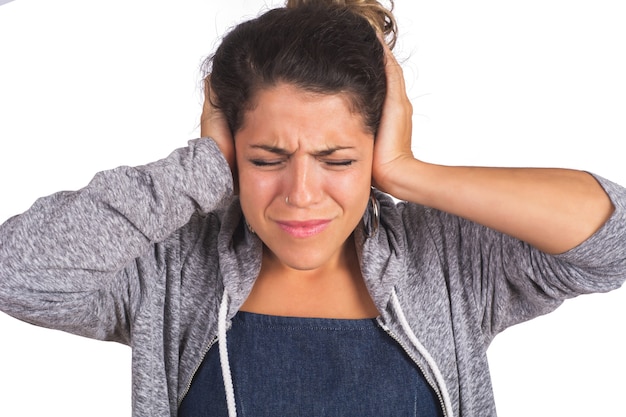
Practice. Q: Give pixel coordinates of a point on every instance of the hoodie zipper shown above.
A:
(432, 383)
(193, 374)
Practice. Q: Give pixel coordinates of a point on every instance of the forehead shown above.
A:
(286, 110)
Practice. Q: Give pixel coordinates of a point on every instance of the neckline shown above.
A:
(266, 320)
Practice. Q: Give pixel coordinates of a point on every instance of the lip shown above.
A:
(304, 229)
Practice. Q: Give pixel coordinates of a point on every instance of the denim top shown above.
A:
(290, 366)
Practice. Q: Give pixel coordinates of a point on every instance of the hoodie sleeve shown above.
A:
(512, 282)
(67, 262)
(496, 281)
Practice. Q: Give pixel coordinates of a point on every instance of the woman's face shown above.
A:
(305, 165)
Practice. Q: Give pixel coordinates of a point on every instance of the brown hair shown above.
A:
(380, 17)
(321, 46)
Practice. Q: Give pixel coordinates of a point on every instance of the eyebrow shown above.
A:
(284, 152)
(272, 149)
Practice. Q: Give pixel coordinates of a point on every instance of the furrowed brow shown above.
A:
(284, 152)
(330, 151)
(273, 149)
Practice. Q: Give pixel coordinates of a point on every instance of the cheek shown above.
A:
(256, 192)
(351, 191)
(259, 181)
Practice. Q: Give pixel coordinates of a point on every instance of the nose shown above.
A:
(303, 182)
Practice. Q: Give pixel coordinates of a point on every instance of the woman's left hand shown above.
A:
(392, 149)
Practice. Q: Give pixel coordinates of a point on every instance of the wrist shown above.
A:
(403, 179)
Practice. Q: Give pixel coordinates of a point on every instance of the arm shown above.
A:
(507, 280)
(552, 209)
(507, 269)
(67, 262)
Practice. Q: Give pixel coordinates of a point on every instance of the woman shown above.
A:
(310, 108)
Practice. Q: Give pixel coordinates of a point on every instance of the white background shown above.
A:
(87, 85)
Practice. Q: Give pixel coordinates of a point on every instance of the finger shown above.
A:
(396, 85)
(393, 69)
(207, 108)
(395, 131)
(213, 124)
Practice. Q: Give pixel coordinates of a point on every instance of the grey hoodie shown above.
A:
(146, 256)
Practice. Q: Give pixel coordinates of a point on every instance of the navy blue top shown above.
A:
(288, 366)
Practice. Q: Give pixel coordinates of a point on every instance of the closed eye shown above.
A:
(266, 163)
(339, 163)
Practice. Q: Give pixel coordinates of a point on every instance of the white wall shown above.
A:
(87, 85)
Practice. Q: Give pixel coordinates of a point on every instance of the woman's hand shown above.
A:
(392, 149)
(213, 125)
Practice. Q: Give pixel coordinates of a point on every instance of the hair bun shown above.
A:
(379, 16)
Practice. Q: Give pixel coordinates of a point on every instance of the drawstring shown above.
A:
(429, 359)
(223, 348)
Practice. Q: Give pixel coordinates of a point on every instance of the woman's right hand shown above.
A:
(213, 124)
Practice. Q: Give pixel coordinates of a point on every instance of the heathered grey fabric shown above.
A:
(142, 256)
